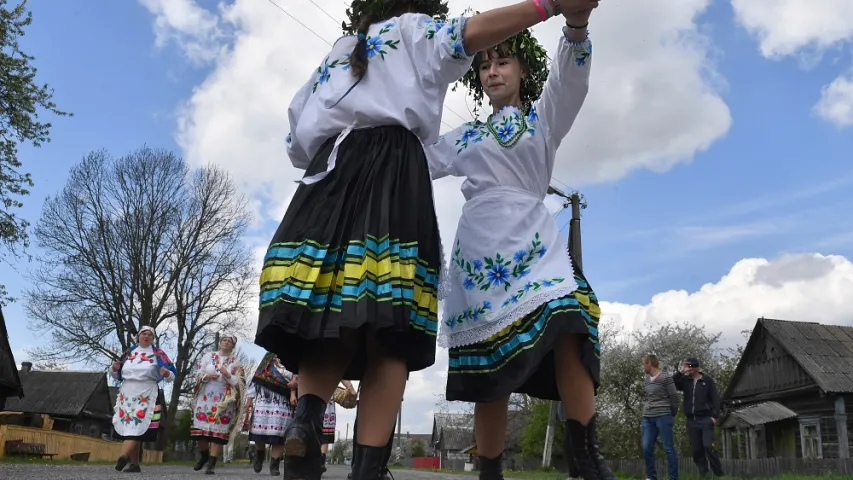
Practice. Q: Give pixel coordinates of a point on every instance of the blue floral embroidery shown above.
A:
(376, 45)
(433, 27)
(474, 133)
(500, 271)
(471, 313)
(531, 287)
(580, 51)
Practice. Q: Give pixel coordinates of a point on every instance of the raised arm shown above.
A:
(565, 89)
(445, 51)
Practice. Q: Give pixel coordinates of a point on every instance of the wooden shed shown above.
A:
(792, 393)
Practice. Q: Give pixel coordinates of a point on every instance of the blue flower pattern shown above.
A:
(488, 273)
(505, 123)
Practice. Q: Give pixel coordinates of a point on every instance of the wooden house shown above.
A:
(451, 434)
(10, 382)
(791, 395)
(76, 402)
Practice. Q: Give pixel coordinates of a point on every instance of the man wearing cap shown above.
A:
(702, 408)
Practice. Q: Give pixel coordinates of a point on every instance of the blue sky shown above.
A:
(777, 182)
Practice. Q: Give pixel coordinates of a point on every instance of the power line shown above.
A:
(297, 21)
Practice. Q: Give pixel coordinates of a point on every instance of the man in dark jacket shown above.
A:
(702, 409)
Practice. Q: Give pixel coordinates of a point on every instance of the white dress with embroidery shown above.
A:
(137, 396)
(412, 62)
(271, 411)
(209, 419)
(508, 257)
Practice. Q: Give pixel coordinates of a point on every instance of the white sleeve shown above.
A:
(437, 49)
(298, 156)
(441, 156)
(565, 89)
(170, 378)
(250, 390)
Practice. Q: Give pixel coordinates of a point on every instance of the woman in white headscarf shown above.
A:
(219, 388)
(138, 405)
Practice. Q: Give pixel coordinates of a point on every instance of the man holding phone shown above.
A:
(702, 409)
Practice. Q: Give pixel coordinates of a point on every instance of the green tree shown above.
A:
(418, 449)
(21, 101)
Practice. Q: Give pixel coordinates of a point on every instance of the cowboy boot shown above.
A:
(211, 466)
(604, 472)
(258, 464)
(274, 463)
(202, 460)
(579, 450)
(491, 468)
(302, 440)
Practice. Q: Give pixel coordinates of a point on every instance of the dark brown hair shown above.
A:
(652, 360)
(368, 12)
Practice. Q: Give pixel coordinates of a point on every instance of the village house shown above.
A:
(76, 402)
(791, 395)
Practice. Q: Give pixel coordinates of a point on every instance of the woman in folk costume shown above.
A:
(349, 287)
(520, 316)
(139, 404)
(270, 398)
(220, 383)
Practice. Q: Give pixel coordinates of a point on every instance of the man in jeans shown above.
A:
(702, 409)
(659, 412)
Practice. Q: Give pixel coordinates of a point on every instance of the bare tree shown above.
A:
(140, 240)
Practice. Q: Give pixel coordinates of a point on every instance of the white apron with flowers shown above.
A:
(137, 396)
(208, 421)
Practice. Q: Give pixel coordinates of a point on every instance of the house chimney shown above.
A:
(26, 367)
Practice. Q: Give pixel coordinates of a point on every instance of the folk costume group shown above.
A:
(352, 279)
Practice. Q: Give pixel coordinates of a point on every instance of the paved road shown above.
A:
(178, 472)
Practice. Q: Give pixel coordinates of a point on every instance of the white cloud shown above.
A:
(836, 102)
(804, 29)
(785, 288)
(651, 104)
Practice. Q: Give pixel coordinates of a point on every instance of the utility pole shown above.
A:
(573, 200)
(399, 431)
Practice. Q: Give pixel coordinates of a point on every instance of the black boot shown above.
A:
(133, 468)
(604, 472)
(302, 440)
(121, 462)
(202, 460)
(491, 468)
(258, 464)
(211, 466)
(323, 464)
(274, 463)
(580, 451)
(302, 437)
(367, 462)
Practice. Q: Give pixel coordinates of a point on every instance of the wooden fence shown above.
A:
(759, 468)
(63, 444)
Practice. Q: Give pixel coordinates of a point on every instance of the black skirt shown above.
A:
(358, 250)
(521, 359)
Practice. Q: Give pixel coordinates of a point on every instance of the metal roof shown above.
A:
(758, 414)
(824, 351)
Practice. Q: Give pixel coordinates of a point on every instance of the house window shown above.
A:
(78, 429)
(94, 431)
(810, 438)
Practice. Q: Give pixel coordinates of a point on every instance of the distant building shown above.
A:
(77, 402)
(10, 382)
(791, 395)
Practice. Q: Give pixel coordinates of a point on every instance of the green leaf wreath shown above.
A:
(533, 58)
(381, 9)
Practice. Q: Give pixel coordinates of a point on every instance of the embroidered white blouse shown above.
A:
(412, 61)
(508, 257)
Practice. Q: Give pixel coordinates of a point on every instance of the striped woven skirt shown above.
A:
(520, 358)
(358, 250)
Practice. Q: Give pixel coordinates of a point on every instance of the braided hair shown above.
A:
(364, 13)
